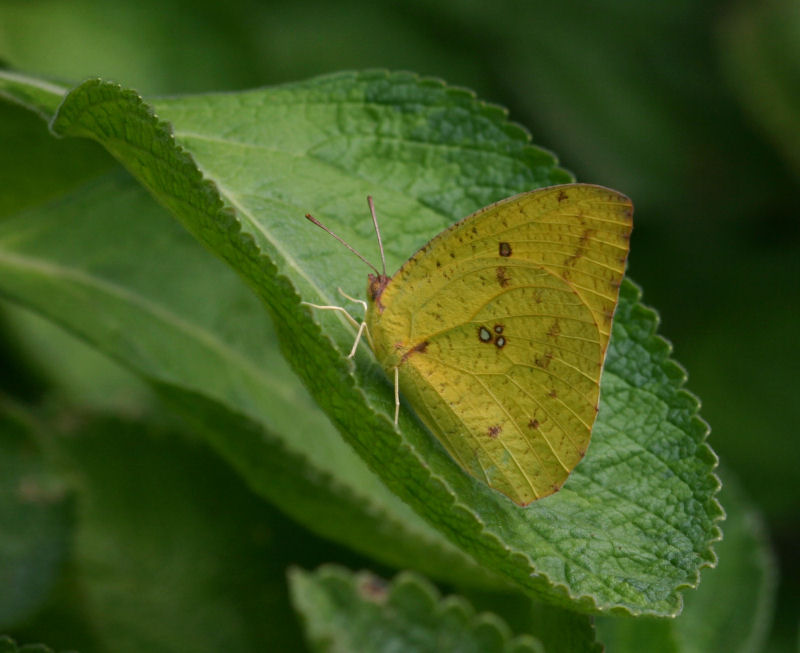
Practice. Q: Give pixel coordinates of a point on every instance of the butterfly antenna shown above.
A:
(377, 231)
(311, 218)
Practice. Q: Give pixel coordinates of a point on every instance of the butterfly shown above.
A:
(496, 331)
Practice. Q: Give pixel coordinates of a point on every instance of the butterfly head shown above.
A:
(376, 283)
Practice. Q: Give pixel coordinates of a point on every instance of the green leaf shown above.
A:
(38, 95)
(343, 611)
(36, 514)
(636, 519)
(34, 169)
(75, 372)
(731, 610)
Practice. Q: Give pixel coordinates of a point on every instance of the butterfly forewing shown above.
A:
(578, 232)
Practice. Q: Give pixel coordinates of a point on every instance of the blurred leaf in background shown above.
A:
(690, 108)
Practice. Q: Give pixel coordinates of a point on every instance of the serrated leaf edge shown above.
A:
(368, 587)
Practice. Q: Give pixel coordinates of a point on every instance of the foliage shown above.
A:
(168, 549)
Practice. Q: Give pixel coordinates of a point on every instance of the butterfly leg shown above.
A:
(353, 299)
(349, 317)
(362, 327)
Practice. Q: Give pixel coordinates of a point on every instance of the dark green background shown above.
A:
(693, 109)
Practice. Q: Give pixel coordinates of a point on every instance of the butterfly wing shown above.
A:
(499, 328)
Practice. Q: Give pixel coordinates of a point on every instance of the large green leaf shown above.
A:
(635, 521)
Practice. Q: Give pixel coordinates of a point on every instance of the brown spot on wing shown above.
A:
(580, 252)
(505, 249)
(534, 424)
(502, 277)
(587, 233)
(416, 349)
(494, 431)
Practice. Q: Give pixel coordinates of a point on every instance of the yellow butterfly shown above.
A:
(496, 331)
